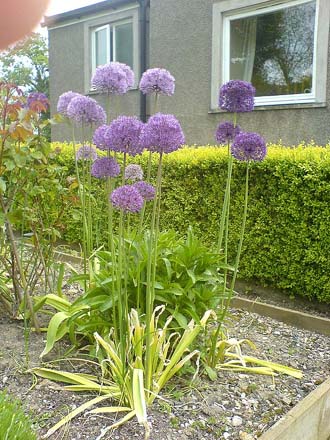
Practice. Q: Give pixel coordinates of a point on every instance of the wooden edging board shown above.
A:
(308, 420)
(293, 317)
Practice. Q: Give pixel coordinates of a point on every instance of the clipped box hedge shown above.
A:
(287, 240)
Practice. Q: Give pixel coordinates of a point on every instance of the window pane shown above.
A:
(274, 50)
(101, 47)
(124, 43)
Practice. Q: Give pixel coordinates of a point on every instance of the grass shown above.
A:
(14, 423)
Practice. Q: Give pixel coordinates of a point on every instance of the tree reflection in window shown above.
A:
(275, 50)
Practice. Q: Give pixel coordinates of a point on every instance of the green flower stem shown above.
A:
(121, 301)
(240, 244)
(122, 274)
(89, 209)
(151, 270)
(81, 201)
(225, 206)
(111, 245)
(111, 248)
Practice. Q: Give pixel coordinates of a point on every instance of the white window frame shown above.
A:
(228, 10)
(108, 27)
(94, 32)
(129, 14)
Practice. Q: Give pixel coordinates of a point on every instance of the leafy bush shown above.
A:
(14, 424)
(187, 282)
(286, 242)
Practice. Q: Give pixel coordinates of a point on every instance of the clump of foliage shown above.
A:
(14, 423)
(30, 188)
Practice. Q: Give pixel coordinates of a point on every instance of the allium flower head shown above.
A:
(123, 135)
(37, 102)
(86, 152)
(127, 198)
(249, 146)
(114, 78)
(146, 190)
(226, 132)
(237, 96)
(162, 134)
(133, 172)
(157, 80)
(64, 100)
(104, 167)
(85, 110)
(99, 139)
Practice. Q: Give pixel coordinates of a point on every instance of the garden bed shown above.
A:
(236, 406)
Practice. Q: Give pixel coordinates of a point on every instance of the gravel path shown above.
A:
(235, 407)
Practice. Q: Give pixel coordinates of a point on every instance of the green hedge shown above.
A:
(287, 241)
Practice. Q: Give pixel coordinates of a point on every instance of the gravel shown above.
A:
(235, 407)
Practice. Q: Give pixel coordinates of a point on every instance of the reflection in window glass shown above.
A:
(124, 43)
(274, 50)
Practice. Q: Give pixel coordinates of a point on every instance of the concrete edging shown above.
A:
(308, 420)
(293, 317)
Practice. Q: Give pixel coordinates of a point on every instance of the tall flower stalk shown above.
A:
(162, 134)
(235, 97)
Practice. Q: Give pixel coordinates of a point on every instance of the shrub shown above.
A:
(286, 243)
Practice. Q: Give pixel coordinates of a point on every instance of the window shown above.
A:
(280, 46)
(110, 37)
(113, 42)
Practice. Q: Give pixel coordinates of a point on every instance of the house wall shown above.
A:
(181, 41)
(67, 70)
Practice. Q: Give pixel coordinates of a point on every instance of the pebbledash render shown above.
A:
(281, 46)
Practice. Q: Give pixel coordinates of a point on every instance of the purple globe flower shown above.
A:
(104, 167)
(133, 172)
(86, 152)
(146, 190)
(249, 146)
(99, 139)
(114, 78)
(85, 110)
(162, 134)
(237, 96)
(37, 102)
(127, 198)
(226, 132)
(157, 80)
(64, 100)
(123, 135)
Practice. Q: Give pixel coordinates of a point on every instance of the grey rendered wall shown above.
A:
(67, 53)
(181, 41)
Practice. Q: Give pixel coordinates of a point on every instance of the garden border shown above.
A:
(309, 418)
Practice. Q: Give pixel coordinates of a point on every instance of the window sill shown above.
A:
(97, 92)
(279, 107)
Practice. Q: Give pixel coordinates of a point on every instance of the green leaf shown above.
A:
(139, 399)
(53, 329)
(212, 374)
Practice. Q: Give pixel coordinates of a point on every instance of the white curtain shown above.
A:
(243, 34)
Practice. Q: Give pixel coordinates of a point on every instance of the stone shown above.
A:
(236, 421)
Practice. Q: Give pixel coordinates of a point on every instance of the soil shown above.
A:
(236, 406)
